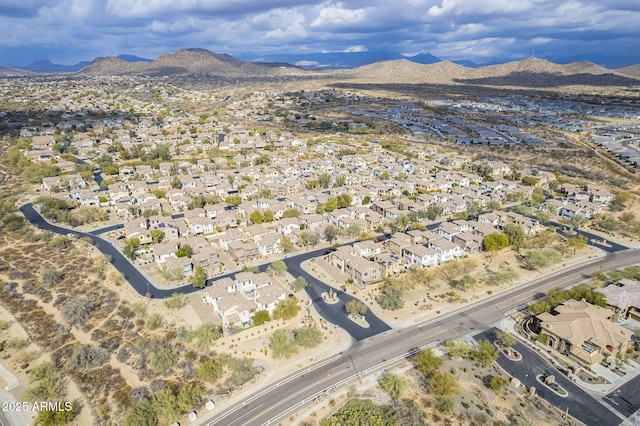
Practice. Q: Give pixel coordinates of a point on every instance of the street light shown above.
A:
(354, 369)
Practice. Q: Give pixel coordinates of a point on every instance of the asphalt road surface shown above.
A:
(335, 314)
(626, 398)
(268, 406)
(579, 403)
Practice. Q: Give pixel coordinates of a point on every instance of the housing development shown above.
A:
(324, 249)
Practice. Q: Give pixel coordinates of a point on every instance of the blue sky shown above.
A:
(68, 31)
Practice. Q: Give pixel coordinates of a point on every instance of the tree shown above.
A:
(233, 200)
(130, 246)
(299, 284)
(198, 278)
(427, 362)
(495, 242)
(166, 406)
(465, 282)
(277, 267)
(344, 200)
(209, 369)
(286, 309)
(498, 382)
(282, 344)
(515, 234)
(506, 339)
(393, 385)
(287, 245)
(485, 352)
(353, 230)
(157, 235)
(176, 301)
(261, 317)
(268, 216)
(434, 212)
(355, 307)
(308, 337)
(457, 348)
(530, 181)
(324, 180)
(331, 205)
(577, 243)
(443, 385)
(189, 396)
(256, 216)
(77, 310)
(391, 297)
(291, 213)
(330, 233)
(142, 414)
(185, 250)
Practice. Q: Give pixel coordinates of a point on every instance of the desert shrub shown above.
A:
(86, 357)
(46, 383)
(50, 276)
(209, 369)
(308, 337)
(143, 414)
(153, 321)
(163, 359)
(176, 301)
(16, 343)
(77, 310)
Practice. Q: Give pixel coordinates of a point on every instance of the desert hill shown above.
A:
(530, 72)
(196, 62)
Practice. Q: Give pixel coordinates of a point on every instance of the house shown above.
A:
(584, 331)
(390, 263)
(248, 282)
(267, 298)
(183, 264)
(270, 244)
(419, 255)
(163, 251)
(624, 298)
(445, 249)
(362, 271)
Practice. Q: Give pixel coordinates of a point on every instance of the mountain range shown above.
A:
(424, 68)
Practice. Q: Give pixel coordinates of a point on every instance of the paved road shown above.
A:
(335, 314)
(580, 404)
(626, 398)
(376, 353)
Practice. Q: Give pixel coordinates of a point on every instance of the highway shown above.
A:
(376, 353)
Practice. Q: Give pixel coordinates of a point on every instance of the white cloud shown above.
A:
(337, 15)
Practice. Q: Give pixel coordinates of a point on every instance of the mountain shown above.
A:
(630, 71)
(192, 62)
(133, 58)
(14, 72)
(424, 58)
(406, 71)
(46, 66)
(530, 72)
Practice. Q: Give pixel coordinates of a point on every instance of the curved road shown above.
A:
(281, 399)
(335, 313)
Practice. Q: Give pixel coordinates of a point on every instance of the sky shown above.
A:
(482, 31)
